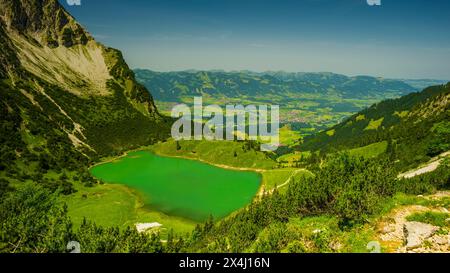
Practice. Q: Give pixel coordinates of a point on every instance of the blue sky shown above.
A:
(399, 39)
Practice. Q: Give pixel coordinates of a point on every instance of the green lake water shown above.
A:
(182, 187)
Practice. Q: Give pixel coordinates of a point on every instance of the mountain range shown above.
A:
(170, 86)
(308, 101)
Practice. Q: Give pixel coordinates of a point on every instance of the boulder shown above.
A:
(416, 232)
(144, 227)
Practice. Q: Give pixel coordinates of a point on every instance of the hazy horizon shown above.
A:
(344, 37)
(282, 71)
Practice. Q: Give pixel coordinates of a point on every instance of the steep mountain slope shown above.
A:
(416, 126)
(174, 85)
(65, 99)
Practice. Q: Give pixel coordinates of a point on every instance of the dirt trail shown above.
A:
(262, 191)
(391, 227)
(429, 167)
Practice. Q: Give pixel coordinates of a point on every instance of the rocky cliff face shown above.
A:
(62, 93)
(8, 59)
(46, 21)
(52, 45)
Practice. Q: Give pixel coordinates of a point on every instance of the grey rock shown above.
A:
(415, 233)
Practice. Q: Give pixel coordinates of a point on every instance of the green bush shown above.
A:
(432, 218)
(32, 220)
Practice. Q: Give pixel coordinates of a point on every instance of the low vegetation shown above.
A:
(433, 218)
(354, 190)
(237, 154)
(370, 151)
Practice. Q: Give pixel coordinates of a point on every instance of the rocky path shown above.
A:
(429, 167)
(397, 234)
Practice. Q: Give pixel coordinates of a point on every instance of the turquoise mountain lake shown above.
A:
(181, 187)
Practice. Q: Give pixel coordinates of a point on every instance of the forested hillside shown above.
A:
(415, 126)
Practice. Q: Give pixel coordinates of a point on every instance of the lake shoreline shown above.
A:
(109, 171)
(150, 149)
(222, 166)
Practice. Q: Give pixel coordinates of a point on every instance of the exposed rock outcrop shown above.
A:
(416, 233)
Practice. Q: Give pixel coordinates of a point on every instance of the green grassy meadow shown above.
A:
(370, 151)
(227, 153)
(112, 205)
(278, 178)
